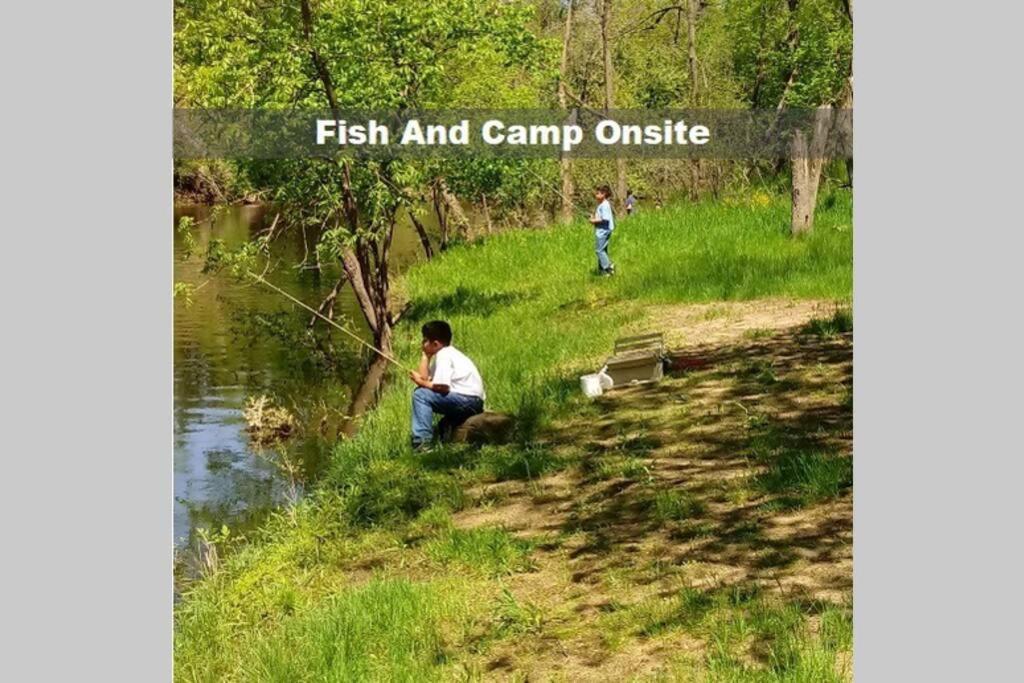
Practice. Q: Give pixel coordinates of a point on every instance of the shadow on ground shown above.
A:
(741, 436)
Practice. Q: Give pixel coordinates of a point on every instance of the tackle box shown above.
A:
(637, 360)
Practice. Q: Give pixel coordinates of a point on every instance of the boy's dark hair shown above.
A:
(605, 190)
(629, 191)
(438, 330)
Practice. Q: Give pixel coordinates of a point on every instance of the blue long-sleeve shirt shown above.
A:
(604, 213)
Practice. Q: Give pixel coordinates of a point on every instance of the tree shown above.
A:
(809, 151)
(564, 163)
(238, 53)
(609, 93)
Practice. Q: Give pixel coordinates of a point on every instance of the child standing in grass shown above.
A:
(448, 384)
(604, 222)
(630, 202)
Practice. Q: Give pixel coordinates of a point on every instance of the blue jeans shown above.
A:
(426, 402)
(602, 235)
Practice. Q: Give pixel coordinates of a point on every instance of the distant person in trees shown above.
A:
(448, 384)
(630, 202)
(604, 222)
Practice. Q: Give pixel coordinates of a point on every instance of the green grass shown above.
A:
(526, 306)
(489, 550)
(387, 630)
(503, 463)
(748, 636)
(838, 323)
(807, 477)
(675, 506)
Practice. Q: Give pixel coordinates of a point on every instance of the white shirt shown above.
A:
(451, 367)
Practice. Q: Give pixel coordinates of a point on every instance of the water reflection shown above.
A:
(239, 340)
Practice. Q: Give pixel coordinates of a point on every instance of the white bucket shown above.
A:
(596, 384)
(591, 385)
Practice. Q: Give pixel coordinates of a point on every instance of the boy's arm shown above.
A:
(425, 382)
(422, 377)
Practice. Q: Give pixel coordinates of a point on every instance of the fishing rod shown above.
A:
(391, 359)
(551, 185)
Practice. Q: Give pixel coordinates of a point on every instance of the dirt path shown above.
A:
(712, 478)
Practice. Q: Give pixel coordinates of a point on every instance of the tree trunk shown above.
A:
(487, 212)
(365, 395)
(609, 96)
(564, 163)
(442, 218)
(454, 210)
(804, 196)
(844, 123)
(354, 271)
(428, 250)
(691, 37)
(808, 158)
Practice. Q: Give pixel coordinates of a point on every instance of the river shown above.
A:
(238, 340)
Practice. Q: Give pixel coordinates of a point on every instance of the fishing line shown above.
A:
(551, 186)
(259, 278)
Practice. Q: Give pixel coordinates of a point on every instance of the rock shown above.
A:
(485, 428)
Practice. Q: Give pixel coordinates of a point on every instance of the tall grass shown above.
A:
(750, 636)
(387, 630)
(527, 308)
(493, 551)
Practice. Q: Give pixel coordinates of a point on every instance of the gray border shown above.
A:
(936, 522)
(86, 362)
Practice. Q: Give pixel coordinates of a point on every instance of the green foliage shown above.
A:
(184, 291)
(189, 245)
(412, 54)
(764, 58)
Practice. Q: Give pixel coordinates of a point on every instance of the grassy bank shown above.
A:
(369, 576)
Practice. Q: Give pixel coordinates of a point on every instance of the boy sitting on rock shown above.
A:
(448, 384)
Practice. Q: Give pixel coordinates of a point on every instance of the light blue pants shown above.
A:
(426, 403)
(602, 236)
